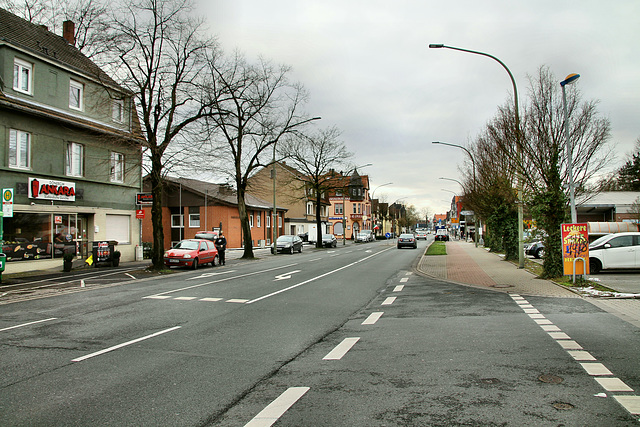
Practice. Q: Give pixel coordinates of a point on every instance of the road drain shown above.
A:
(563, 406)
(550, 379)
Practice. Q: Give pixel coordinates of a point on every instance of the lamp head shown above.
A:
(436, 46)
(570, 79)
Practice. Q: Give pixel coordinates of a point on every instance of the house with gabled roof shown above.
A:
(71, 147)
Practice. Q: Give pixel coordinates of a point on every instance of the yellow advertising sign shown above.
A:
(575, 244)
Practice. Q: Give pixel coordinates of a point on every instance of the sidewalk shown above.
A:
(468, 265)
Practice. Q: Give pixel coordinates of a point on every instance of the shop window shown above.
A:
(117, 167)
(19, 149)
(22, 76)
(74, 159)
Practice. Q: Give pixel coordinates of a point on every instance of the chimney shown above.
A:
(68, 32)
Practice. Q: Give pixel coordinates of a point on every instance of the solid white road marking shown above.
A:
(596, 369)
(630, 403)
(613, 384)
(27, 324)
(115, 347)
(388, 301)
(284, 276)
(277, 408)
(211, 299)
(237, 300)
(185, 298)
(157, 297)
(341, 349)
(398, 288)
(373, 318)
(130, 275)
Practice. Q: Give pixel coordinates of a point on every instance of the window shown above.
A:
(354, 208)
(279, 221)
(194, 220)
(338, 209)
(22, 75)
(74, 159)
(268, 220)
(117, 167)
(251, 221)
(117, 111)
(258, 219)
(76, 90)
(177, 221)
(309, 208)
(118, 228)
(19, 149)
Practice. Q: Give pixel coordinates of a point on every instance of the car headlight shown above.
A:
(186, 256)
(166, 254)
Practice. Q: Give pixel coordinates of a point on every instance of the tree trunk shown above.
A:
(318, 221)
(157, 250)
(244, 223)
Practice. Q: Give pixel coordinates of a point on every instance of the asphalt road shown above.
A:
(343, 337)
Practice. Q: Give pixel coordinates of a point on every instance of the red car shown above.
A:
(191, 253)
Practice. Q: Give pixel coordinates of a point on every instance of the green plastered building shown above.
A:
(71, 148)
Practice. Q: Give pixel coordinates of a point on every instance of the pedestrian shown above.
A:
(221, 246)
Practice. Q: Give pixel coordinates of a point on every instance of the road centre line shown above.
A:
(272, 412)
(315, 278)
(115, 347)
(341, 349)
(220, 280)
(27, 324)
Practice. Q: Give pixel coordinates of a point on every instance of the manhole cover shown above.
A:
(563, 406)
(489, 381)
(550, 379)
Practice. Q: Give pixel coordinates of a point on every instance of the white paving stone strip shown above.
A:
(523, 306)
(404, 280)
(341, 349)
(269, 415)
(543, 321)
(210, 299)
(388, 301)
(613, 384)
(536, 315)
(569, 344)
(531, 310)
(237, 300)
(596, 369)
(185, 298)
(373, 318)
(630, 403)
(550, 328)
(559, 336)
(158, 297)
(398, 288)
(581, 355)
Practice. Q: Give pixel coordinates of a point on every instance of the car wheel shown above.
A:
(594, 266)
(195, 264)
(292, 250)
(300, 250)
(335, 244)
(539, 253)
(213, 263)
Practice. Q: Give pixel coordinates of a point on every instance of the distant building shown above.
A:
(71, 147)
(609, 206)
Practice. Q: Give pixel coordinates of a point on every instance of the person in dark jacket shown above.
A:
(221, 246)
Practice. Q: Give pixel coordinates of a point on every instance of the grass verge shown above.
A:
(437, 248)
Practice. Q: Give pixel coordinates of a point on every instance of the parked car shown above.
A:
(535, 249)
(362, 238)
(191, 253)
(407, 240)
(619, 250)
(442, 235)
(329, 241)
(369, 235)
(288, 243)
(421, 235)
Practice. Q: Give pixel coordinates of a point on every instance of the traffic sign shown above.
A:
(7, 202)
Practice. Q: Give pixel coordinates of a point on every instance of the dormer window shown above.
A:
(76, 93)
(22, 76)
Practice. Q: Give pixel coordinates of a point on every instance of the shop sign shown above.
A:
(7, 202)
(144, 198)
(48, 189)
(356, 216)
(140, 213)
(575, 244)
(57, 219)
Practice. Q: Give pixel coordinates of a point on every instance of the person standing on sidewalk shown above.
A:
(221, 246)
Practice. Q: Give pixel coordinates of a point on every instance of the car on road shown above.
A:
(619, 250)
(422, 234)
(329, 241)
(288, 243)
(442, 235)
(364, 236)
(191, 253)
(408, 241)
(535, 249)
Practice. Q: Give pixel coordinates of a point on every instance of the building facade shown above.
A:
(190, 206)
(350, 205)
(71, 157)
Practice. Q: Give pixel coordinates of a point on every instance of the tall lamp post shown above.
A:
(395, 234)
(567, 81)
(518, 146)
(344, 218)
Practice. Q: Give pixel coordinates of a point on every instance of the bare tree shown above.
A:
(253, 107)
(315, 156)
(159, 52)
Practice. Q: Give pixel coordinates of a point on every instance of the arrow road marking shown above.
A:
(284, 276)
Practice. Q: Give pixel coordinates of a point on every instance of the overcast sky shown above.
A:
(369, 71)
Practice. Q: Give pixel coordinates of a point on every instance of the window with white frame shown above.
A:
(279, 221)
(117, 167)
(74, 159)
(251, 221)
(19, 149)
(117, 111)
(258, 219)
(177, 221)
(268, 220)
(338, 209)
(22, 76)
(194, 220)
(309, 208)
(76, 93)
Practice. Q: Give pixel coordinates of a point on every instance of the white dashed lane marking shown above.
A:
(388, 301)
(601, 374)
(341, 349)
(373, 318)
(398, 288)
(269, 415)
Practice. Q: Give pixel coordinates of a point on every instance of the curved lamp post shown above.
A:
(567, 81)
(518, 145)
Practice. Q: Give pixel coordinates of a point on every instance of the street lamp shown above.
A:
(395, 209)
(378, 204)
(567, 81)
(518, 146)
(344, 218)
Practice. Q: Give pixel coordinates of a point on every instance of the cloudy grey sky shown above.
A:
(369, 71)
